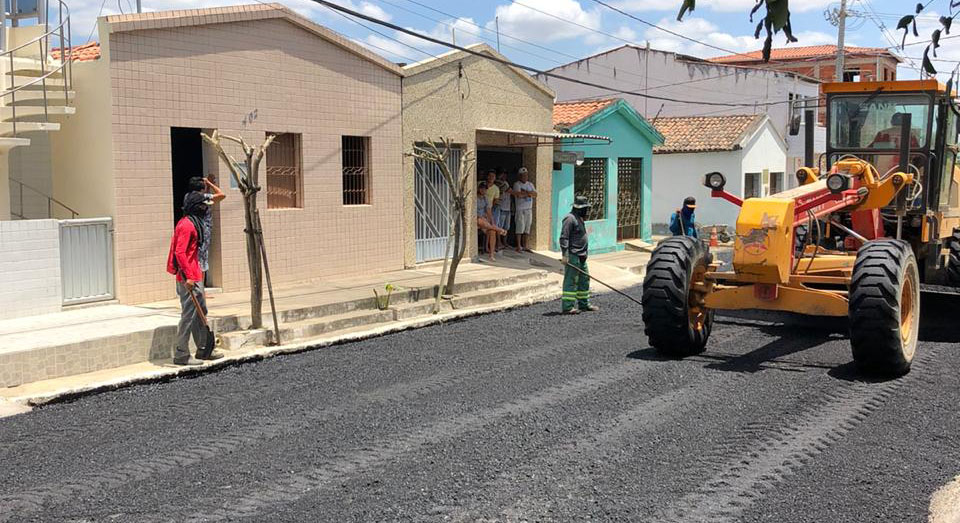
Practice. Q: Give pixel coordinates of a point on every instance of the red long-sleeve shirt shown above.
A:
(183, 251)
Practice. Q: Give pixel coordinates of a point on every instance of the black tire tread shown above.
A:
(874, 309)
(665, 287)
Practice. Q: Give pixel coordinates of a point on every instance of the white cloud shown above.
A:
(949, 49)
(393, 48)
(701, 30)
(727, 6)
(529, 24)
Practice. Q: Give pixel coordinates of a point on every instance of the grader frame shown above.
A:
(882, 225)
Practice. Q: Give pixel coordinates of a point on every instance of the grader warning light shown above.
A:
(859, 241)
(715, 181)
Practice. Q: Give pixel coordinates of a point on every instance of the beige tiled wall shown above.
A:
(212, 76)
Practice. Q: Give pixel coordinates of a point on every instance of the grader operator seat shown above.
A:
(857, 238)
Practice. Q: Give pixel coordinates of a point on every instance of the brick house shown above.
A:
(333, 186)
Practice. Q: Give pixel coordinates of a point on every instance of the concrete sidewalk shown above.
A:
(49, 357)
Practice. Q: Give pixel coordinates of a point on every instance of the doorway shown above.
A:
(510, 159)
(629, 198)
(189, 157)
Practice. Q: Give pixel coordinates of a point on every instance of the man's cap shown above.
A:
(690, 202)
(523, 170)
(581, 202)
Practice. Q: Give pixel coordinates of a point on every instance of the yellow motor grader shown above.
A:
(860, 238)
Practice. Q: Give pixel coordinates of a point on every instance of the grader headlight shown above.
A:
(838, 183)
(714, 181)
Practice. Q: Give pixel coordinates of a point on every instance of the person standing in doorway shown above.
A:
(211, 195)
(524, 192)
(574, 245)
(683, 222)
(493, 198)
(485, 222)
(182, 261)
(506, 207)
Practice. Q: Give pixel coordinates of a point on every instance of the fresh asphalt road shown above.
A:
(517, 416)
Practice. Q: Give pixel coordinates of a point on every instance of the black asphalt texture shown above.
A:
(524, 415)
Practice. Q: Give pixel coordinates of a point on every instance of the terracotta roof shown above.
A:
(801, 53)
(695, 134)
(568, 114)
(80, 53)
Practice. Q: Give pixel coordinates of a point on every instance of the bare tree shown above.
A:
(247, 179)
(437, 153)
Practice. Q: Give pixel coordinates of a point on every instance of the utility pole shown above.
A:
(497, 21)
(139, 7)
(841, 30)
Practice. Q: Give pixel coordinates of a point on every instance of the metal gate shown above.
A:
(629, 198)
(431, 204)
(86, 260)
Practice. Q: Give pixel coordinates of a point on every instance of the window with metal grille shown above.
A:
(284, 172)
(590, 180)
(752, 184)
(356, 170)
(776, 183)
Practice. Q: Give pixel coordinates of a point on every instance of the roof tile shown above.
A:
(694, 134)
(800, 53)
(568, 114)
(80, 53)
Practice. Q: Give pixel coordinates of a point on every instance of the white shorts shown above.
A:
(524, 220)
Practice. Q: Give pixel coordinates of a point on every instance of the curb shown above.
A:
(22, 404)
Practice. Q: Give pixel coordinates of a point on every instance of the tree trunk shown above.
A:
(460, 243)
(253, 262)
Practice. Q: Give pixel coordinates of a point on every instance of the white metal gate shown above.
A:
(431, 203)
(86, 260)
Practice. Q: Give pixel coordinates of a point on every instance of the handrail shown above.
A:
(65, 66)
(50, 201)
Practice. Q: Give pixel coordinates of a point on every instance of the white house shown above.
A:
(681, 77)
(747, 149)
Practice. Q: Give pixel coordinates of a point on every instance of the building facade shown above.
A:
(747, 149)
(332, 180)
(615, 174)
(698, 84)
(498, 115)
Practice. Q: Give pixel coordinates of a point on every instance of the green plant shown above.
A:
(383, 301)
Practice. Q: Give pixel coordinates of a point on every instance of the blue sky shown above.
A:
(546, 33)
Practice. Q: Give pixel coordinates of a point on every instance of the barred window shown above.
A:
(752, 185)
(284, 172)
(356, 170)
(590, 180)
(776, 183)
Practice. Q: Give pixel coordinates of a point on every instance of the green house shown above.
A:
(615, 173)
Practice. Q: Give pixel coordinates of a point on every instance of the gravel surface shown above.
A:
(518, 416)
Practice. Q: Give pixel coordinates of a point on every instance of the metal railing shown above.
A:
(65, 68)
(51, 201)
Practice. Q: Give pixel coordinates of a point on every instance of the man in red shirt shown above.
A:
(182, 262)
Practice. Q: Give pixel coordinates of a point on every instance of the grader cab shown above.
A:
(859, 238)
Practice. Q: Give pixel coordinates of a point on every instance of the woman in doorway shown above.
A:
(485, 222)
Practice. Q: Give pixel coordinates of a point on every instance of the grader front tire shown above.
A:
(884, 308)
(674, 318)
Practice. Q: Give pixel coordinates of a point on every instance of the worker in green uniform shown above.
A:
(573, 245)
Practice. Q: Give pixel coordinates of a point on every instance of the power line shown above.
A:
(527, 67)
(664, 29)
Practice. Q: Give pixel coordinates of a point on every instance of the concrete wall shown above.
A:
(82, 166)
(678, 175)
(437, 103)
(29, 268)
(669, 75)
(215, 76)
(628, 142)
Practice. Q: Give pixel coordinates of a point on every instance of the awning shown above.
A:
(537, 138)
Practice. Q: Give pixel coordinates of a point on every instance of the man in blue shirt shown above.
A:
(682, 222)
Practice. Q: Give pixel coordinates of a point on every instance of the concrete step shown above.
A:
(30, 67)
(34, 113)
(29, 97)
(224, 324)
(9, 129)
(312, 328)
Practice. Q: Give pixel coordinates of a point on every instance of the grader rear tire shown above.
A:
(953, 264)
(884, 308)
(675, 320)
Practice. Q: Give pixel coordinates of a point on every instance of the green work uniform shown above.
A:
(573, 243)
